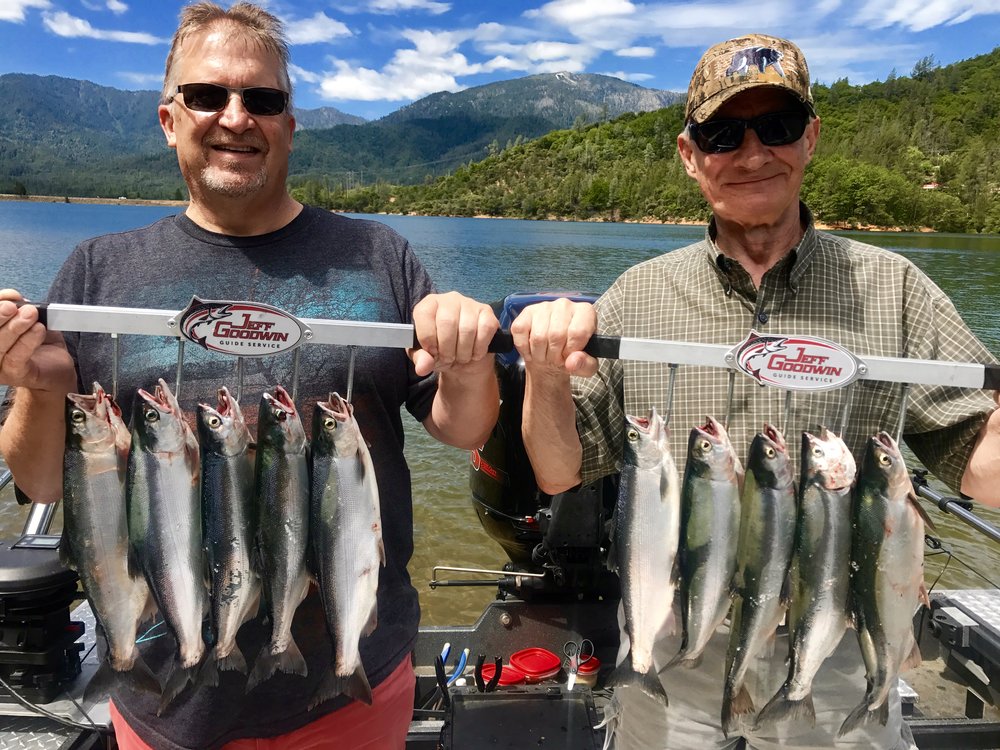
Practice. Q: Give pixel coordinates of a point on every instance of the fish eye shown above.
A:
(280, 415)
(329, 423)
(705, 445)
(884, 459)
(817, 452)
(78, 417)
(632, 435)
(769, 451)
(151, 415)
(214, 420)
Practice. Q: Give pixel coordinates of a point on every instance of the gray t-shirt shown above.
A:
(320, 265)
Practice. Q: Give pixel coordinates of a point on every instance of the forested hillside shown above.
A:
(915, 151)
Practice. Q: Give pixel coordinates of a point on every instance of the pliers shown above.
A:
(481, 685)
(443, 680)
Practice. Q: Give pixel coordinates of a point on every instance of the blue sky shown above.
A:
(370, 57)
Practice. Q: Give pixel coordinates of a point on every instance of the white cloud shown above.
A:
(634, 77)
(65, 25)
(636, 52)
(115, 6)
(400, 6)
(301, 75)
(434, 63)
(14, 10)
(920, 16)
(143, 80)
(569, 12)
(319, 28)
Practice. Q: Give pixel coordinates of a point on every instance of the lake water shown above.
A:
(488, 259)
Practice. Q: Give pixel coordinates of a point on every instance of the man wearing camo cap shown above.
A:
(750, 131)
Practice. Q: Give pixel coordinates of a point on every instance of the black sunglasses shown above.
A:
(211, 97)
(773, 129)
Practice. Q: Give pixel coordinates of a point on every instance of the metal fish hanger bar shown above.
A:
(151, 322)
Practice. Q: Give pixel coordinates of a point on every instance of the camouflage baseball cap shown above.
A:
(739, 64)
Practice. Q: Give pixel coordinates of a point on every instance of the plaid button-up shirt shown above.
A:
(871, 301)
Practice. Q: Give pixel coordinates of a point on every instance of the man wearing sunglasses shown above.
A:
(750, 131)
(226, 110)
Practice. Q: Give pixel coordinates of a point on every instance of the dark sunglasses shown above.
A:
(211, 97)
(773, 129)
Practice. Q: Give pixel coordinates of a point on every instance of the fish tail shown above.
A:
(289, 661)
(141, 677)
(210, 671)
(781, 708)
(734, 707)
(649, 682)
(863, 715)
(101, 683)
(685, 659)
(180, 677)
(233, 662)
(354, 685)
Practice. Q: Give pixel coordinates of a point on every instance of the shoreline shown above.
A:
(96, 201)
(823, 226)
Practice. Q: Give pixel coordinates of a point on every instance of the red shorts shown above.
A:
(380, 726)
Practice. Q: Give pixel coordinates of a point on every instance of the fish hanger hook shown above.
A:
(788, 411)
(296, 365)
(116, 343)
(180, 367)
(239, 378)
(350, 373)
(905, 398)
(847, 400)
(670, 394)
(729, 397)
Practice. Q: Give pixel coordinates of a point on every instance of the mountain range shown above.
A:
(61, 136)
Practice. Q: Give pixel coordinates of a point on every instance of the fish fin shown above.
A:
(381, 551)
(649, 683)
(862, 716)
(180, 677)
(913, 659)
(101, 684)
(354, 685)
(918, 506)
(684, 659)
(233, 662)
(289, 661)
(210, 671)
(781, 709)
(922, 595)
(65, 553)
(734, 707)
(372, 622)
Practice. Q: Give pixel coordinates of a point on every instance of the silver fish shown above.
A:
(95, 535)
(819, 585)
(887, 575)
(346, 531)
(164, 524)
(229, 525)
(710, 522)
(281, 489)
(646, 533)
(767, 532)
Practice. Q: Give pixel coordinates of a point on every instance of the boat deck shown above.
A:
(962, 632)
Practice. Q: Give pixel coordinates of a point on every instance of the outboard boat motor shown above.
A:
(39, 648)
(564, 535)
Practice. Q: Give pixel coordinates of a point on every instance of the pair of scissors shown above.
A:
(577, 653)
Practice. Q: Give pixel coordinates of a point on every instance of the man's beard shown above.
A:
(232, 183)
